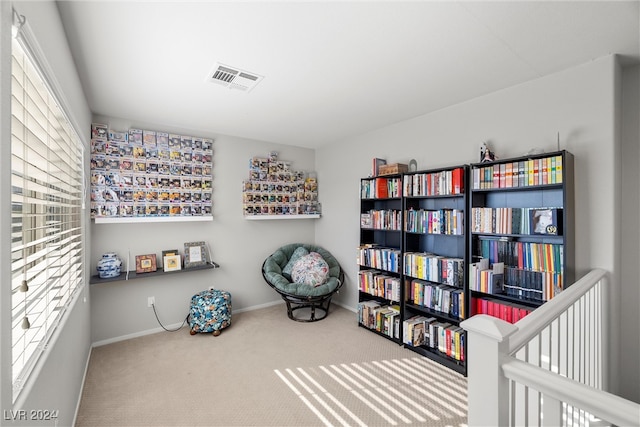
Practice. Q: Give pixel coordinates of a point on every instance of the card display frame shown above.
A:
(150, 174)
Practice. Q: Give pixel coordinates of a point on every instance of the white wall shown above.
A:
(630, 248)
(579, 104)
(119, 309)
(60, 372)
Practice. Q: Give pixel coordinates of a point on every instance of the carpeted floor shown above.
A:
(266, 370)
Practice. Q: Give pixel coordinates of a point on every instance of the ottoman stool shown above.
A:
(210, 312)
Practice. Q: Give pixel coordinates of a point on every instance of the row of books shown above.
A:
(435, 296)
(521, 173)
(444, 337)
(382, 258)
(376, 283)
(435, 268)
(442, 183)
(387, 219)
(516, 220)
(508, 312)
(441, 221)
(515, 282)
(535, 285)
(380, 188)
(382, 318)
(486, 279)
(523, 255)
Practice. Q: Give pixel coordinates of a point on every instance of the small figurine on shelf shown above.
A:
(486, 155)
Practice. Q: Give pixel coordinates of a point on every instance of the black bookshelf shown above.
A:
(381, 238)
(546, 257)
(435, 206)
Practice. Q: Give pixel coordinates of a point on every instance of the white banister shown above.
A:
(530, 326)
(485, 377)
(548, 369)
(602, 404)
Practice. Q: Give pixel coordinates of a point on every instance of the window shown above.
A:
(47, 213)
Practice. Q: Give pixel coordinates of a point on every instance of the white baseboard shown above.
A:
(173, 326)
(347, 307)
(84, 380)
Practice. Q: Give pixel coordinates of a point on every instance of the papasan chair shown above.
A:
(313, 290)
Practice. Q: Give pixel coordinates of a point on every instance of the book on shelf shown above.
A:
(485, 278)
(380, 188)
(365, 220)
(435, 296)
(519, 173)
(441, 183)
(377, 283)
(375, 166)
(441, 221)
(416, 330)
(509, 312)
(510, 220)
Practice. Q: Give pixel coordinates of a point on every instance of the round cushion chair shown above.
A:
(276, 271)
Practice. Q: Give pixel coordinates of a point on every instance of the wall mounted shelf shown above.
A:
(151, 219)
(267, 217)
(131, 275)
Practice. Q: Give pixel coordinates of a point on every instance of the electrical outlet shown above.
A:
(151, 301)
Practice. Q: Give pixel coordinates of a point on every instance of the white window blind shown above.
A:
(47, 215)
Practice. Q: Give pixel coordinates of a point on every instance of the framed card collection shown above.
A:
(147, 173)
(273, 188)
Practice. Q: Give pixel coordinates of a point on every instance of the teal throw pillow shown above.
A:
(295, 256)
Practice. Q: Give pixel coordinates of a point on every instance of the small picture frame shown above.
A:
(146, 263)
(171, 263)
(546, 221)
(168, 252)
(195, 254)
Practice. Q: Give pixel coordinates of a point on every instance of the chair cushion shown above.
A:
(273, 265)
(297, 254)
(311, 270)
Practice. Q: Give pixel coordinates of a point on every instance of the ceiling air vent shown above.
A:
(234, 78)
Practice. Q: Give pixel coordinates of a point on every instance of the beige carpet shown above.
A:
(266, 370)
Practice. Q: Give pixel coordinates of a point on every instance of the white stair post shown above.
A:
(488, 388)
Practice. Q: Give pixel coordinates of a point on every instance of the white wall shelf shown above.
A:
(267, 217)
(122, 220)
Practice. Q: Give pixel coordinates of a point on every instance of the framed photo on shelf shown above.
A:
(545, 221)
(146, 263)
(195, 254)
(169, 252)
(172, 263)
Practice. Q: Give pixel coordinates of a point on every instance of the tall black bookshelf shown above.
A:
(521, 237)
(491, 238)
(435, 259)
(380, 255)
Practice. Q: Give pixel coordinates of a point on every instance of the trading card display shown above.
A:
(148, 173)
(273, 188)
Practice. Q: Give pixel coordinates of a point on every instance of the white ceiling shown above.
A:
(332, 69)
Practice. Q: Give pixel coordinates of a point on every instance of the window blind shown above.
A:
(46, 213)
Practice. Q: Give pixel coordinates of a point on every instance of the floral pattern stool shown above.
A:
(210, 312)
